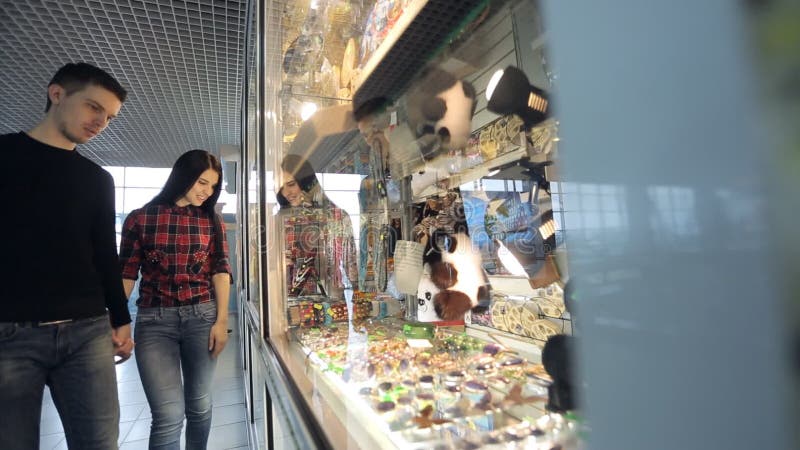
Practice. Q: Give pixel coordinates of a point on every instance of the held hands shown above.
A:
(123, 344)
(217, 338)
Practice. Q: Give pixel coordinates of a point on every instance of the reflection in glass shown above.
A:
(319, 246)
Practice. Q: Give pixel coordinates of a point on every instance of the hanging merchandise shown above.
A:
(543, 138)
(376, 234)
(379, 162)
(348, 69)
(373, 253)
(452, 280)
(381, 251)
(303, 55)
(444, 214)
(365, 272)
(319, 247)
(380, 20)
(340, 17)
(339, 248)
(302, 245)
(408, 266)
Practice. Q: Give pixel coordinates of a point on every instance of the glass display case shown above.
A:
(413, 256)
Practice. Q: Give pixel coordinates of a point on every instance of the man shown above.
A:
(61, 280)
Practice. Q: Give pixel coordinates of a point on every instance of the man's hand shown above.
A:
(123, 344)
(217, 338)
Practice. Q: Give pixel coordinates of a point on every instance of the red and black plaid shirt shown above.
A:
(174, 248)
(323, 238)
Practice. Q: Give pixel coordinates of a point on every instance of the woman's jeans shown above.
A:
(76, 360)
(171, 341)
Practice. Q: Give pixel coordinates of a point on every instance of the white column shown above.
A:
(678, 305)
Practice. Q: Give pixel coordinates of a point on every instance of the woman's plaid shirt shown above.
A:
(175, 250)
(322, 237)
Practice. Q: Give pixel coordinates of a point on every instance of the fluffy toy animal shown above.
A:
(441, 106)
(426, 292)
(457, 276)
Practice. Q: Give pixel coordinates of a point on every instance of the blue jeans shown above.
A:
(171, 341)
(76, 360)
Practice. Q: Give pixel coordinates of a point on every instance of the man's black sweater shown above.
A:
(58, 255)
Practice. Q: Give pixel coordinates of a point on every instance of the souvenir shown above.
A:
(348, 62)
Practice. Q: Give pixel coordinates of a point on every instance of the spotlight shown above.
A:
(525, 253)
(303, 109)
(509, 260)
(510, 92)
(307, 110)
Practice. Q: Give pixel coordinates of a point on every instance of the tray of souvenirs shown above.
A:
(450, 381)
(316, 310)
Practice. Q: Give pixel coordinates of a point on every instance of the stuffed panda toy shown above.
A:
(440, 109)
(426, 292)
(453, 280)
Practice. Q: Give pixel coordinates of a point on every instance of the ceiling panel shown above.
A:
(181, 62)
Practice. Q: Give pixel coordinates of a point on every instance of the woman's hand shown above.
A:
(217, 338)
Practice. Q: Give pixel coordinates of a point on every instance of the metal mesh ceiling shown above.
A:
(181, 62)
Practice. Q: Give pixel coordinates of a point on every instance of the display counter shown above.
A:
(413, 268)
(389, 390)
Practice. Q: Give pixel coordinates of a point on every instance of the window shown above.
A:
(135, 186)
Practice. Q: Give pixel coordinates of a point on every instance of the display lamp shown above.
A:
(509, 260)
(307, 109)
(510, 92)
(520, 260)
(303, 109)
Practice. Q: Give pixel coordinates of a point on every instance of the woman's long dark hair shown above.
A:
(302, 172)
(185, 172)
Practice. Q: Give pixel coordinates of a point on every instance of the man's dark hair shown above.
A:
(75, 76)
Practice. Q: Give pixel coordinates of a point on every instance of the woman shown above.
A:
(178, 243)
(320, 249)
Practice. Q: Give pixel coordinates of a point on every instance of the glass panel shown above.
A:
(119, 198)
(319, 245)
(421, 290)
(118, 173)
(136, 198)
(251, 180)
(228, 202)
(146, 176)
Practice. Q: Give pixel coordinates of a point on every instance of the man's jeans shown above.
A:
(76, 360)
(168, 341)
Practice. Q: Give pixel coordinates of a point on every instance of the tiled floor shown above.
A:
(229, 426)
